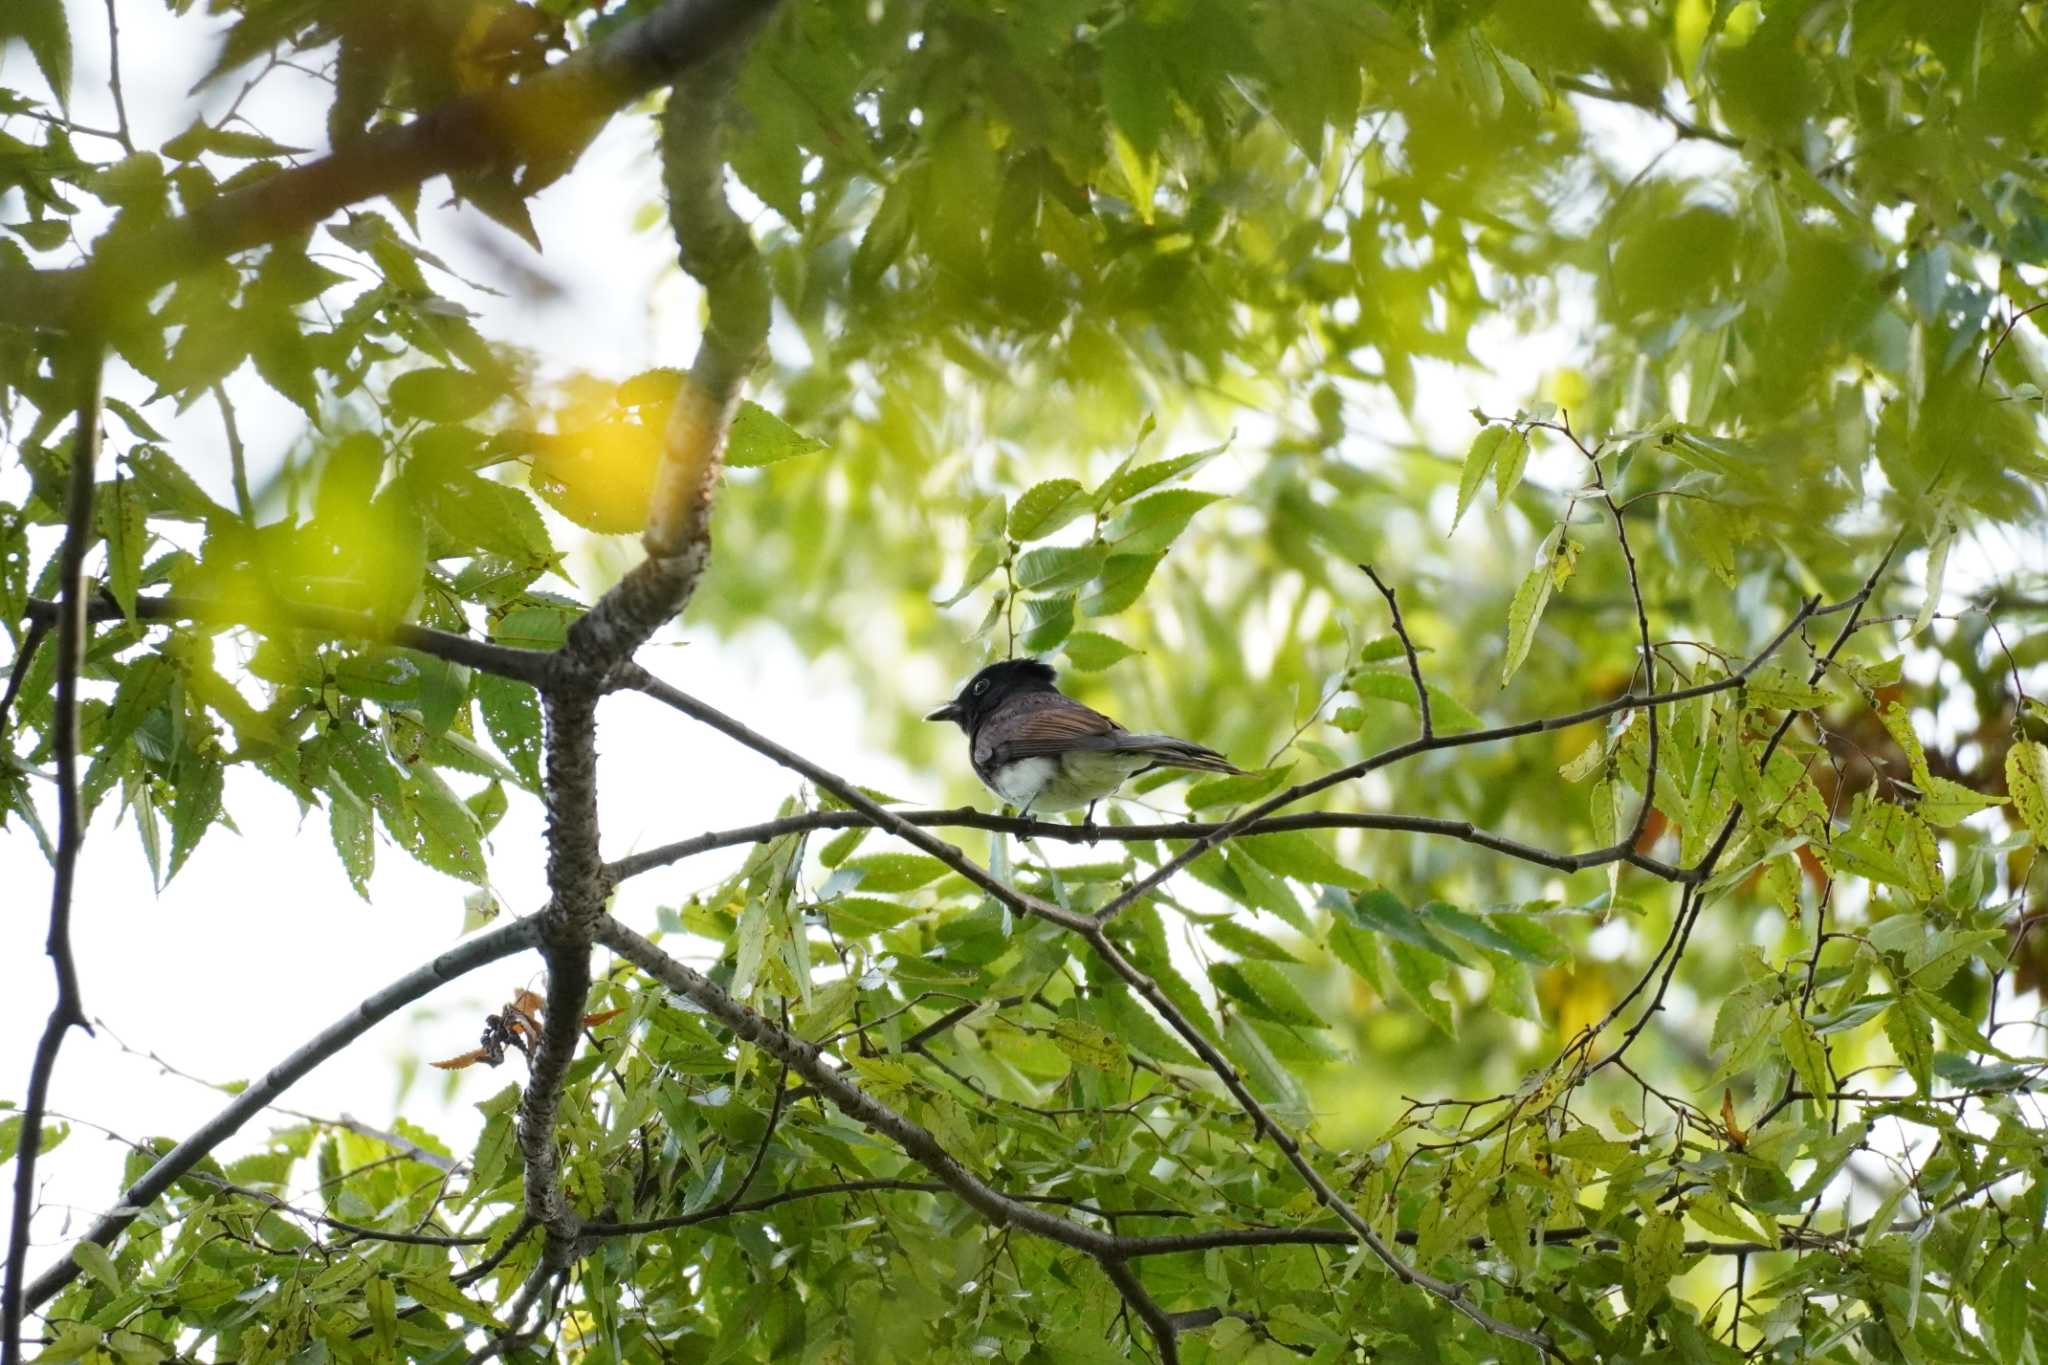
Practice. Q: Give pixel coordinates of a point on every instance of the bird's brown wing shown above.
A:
(1053, 726)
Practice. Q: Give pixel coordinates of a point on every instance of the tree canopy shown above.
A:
(1618, 947)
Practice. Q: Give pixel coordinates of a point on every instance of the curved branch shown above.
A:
(546, 120)
(458, 961)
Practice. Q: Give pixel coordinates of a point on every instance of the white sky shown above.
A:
(259, 942)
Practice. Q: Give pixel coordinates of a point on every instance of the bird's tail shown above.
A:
(1167, 752)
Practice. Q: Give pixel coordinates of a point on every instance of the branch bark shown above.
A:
(68, 1011)
(547, 119)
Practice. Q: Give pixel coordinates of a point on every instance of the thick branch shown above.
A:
(546, 119)
(467, 957)
(68, 1011)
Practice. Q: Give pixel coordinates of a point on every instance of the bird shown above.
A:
(1039, 749)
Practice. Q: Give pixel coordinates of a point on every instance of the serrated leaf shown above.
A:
(1479, 458)
(1050, 569)
(1152, 523)
(1046, 507)
(349, 824)
(2026, 780)
(41, 24)
(1523, 614)
(1128, 482)
(1447, 714)
(93, 1259)
(441, 394)
(195, 804)
(1416, 972)
(1238, 790)
(1121, 582)
(1091, 651)
(1508, 464)
(1653, 1259)
(759, 437)
(1937, 569)
(889, 873)
(1297, 854)
(1249, 943)
(512, 715)
(1381, 911)
(1089, 1045)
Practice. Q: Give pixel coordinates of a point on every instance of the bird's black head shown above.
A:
(989, 688)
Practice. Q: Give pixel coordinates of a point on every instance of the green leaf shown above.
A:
(1807, 1054)
(759, 437)
(1653, 1259)
(1234, 937)
(41, 24)
(1911, 1034)
(195, 804)
(1089, 1045)
(1152, 523)
(1474, 929)
(1091, 651)
(1937, 569)
(349, 824)
(1051, 569)
(1523, 614)
(433, 825)
(1479, 458)
(1121, 582)
(1508, 464)
(1447, 714)
(1266, 992)
(888, 873)
(1382, 912)
(1239, 790)
(1416, 972)
(2026, 779)
(1298, 854)
(124, 522)
(1128, 482)
(1046, 507)
(512, 715)
(441, 394)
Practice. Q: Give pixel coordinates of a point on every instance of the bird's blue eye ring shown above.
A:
(979, 687)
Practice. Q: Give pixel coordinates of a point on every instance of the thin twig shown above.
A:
(68, 1011)
(238, 464)
(114, 78)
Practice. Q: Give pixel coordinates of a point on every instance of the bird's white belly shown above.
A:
(1045, 784)
(1018, 783)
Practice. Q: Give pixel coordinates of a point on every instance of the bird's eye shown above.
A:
(979, 687)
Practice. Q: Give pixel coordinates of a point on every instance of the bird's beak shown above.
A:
(950, 711)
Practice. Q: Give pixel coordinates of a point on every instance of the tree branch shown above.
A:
(464, 958)
(68, 1011)
(546, 120)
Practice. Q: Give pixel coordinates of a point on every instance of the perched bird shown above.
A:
(1041, 750)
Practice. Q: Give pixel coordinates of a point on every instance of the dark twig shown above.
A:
(2010, 323)
(24, 658)
(466, 957)
(238, 463)
(114, 79)
(1407, 648)
(522, 665)
(68, 1011)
